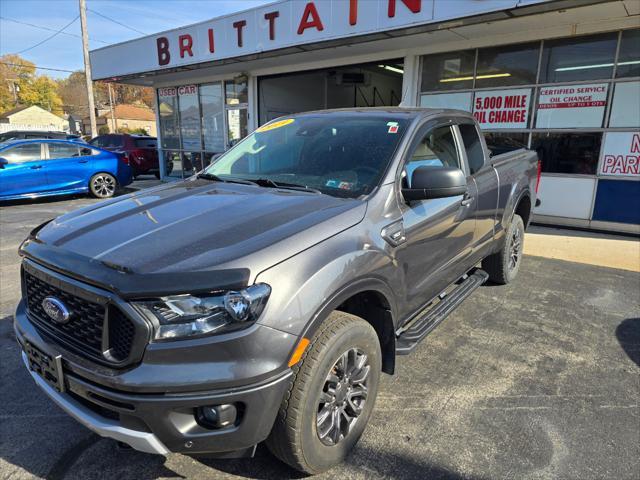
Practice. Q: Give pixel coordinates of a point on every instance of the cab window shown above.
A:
(437, 148)
(22, 153)
(473, 146)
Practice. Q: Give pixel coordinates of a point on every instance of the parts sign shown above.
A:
(621, 154)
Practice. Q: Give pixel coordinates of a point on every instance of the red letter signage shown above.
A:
(185, 42)
(353, 12)
(239, 26)
(164, 57)
(271, 16)
(212, 45)
(306, 22)
(414, 5)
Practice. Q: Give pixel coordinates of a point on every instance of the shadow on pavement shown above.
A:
(628, 334)
(379, 463)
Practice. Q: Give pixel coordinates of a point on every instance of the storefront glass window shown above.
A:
(189, 118)
(212, 117)
(503, 142)
(581, 58)
(448, 71)
(237, 91)
(173, 164)
(511, 65)
(169, 121)
(629, 56)
(575, 153)
(237, 125)
(191, 163)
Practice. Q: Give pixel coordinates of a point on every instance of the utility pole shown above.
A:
(87, 66)
(113, 117)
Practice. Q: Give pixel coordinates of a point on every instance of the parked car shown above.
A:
(141, 150)
(262, 299)
(33, 134)
(38, 168)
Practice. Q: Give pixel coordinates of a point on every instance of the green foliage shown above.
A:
(134, 131)
(19, 85)
(103, 130)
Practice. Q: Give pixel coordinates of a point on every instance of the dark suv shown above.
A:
(140, 150)
(33, 134)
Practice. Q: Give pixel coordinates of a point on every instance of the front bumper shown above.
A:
(154, 422)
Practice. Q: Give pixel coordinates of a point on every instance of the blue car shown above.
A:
(38, 168)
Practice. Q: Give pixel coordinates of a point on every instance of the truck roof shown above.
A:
(409, 112)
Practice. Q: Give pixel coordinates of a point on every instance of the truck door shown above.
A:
(486, 180)
(439, 232)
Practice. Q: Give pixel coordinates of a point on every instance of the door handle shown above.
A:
(36, 167)
(466, 201)
(83, 161)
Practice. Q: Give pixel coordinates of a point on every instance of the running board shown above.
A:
(433, 315)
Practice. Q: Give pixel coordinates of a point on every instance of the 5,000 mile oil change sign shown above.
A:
(502, 108)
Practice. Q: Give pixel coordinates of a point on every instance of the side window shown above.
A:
(473, 146)
(85, 152)
(22, 153)
(62, 150)
(436, 149)
(100, 141)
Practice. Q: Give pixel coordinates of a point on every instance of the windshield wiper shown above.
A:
(215, 178)
(267, 182)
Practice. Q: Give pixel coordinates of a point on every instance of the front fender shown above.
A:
(308, 286)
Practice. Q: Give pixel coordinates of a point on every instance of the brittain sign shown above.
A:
(279, 25)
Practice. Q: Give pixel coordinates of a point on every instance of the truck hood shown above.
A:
(198, 225)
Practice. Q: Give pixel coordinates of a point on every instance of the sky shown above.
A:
(24, 23)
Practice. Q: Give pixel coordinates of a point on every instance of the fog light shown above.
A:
(217, 416)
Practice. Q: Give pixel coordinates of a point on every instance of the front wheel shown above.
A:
(102, 185)
(503, 266)
(331, 396)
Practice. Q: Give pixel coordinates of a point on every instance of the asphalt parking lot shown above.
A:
(537, 380)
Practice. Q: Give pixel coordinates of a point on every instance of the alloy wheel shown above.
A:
(104, 185)
(516, 249)
(343, 396)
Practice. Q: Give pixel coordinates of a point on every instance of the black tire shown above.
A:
(295, 437)
(157, 174)
(503, 266)
(103, 185)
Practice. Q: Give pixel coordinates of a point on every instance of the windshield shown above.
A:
(341, 155)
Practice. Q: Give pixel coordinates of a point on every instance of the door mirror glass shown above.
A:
(435, 182)
(3, 162)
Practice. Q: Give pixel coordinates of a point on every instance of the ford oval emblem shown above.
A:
(56, 310)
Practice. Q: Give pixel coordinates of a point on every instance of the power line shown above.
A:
(48, 38)
(47, 28)
(38, 68)
(115, 21)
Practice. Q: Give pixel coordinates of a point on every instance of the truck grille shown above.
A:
(88, 324)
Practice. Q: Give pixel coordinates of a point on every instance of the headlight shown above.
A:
(181, 316)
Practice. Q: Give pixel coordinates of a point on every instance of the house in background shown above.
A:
(125, 118)
(32, 118)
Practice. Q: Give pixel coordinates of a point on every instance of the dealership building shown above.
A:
(558, 76)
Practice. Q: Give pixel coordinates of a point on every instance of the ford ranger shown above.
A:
(261, 299)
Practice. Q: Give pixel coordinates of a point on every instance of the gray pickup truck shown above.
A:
(262, 298)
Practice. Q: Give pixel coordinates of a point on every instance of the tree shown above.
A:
(15, 74)
(21, 85)
(43, 92)
(73, 91)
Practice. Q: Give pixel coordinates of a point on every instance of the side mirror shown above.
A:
(435, 182)
(3, 162)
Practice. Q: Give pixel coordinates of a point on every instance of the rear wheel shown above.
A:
(331, 396)
(102, 185)
(503, 266)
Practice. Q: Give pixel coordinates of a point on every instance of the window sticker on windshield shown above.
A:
(345, 186)
(333, 183)
(274, 125)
